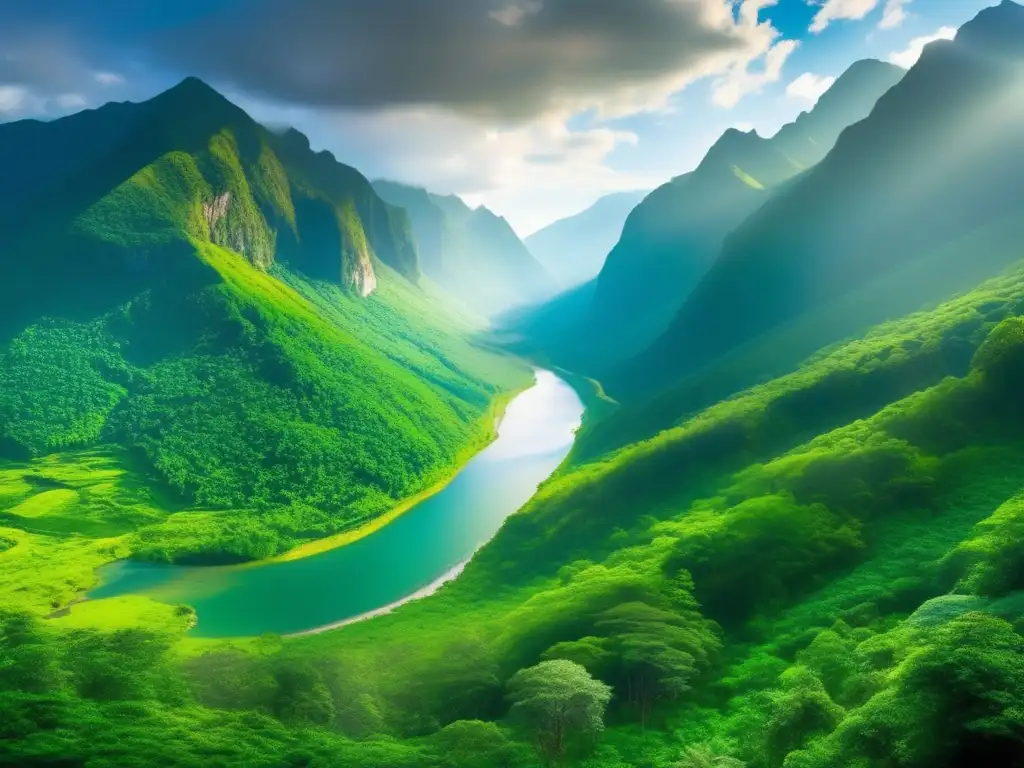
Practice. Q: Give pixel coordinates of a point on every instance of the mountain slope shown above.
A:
(573, 249)
(672, 237)
(473, 254)
(947, 145)
(236, 315)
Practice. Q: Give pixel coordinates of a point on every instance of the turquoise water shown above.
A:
(406, 558)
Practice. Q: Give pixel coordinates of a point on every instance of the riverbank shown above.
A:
(491, 422)
(406, 559)
(426, 591)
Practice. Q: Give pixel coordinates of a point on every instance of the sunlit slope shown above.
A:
(823, 518)
(953, 268)
(243, 317)
(671, 238)
(940, 156)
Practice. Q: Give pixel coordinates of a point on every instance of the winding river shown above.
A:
(406, 559)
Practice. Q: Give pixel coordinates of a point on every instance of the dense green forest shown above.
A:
(255, 356)
(805, 552)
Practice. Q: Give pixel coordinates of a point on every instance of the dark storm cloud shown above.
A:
(505, 59)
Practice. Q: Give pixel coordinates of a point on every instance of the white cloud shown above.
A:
(71, 101)
(512, 15)
(809, 87)
(893, 14)
(841, 10)
(108, 78)
(740, 81)
(13, 99)
(908, 56)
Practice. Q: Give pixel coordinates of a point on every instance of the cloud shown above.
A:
(893, 12)
(13, 99)
(841, 10)
(908, 56)
(108, 78)
(809, 87)
(512, 15)
(45, 70)
(494, 58)
(729, 90)
(71, 101)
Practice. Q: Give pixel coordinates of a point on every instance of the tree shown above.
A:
(475, 744)
(703, 756)
(657, 652)
(557, 699)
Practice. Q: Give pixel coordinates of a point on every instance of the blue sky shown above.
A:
(533, 107)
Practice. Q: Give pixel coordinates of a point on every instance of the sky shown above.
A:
(534, 108)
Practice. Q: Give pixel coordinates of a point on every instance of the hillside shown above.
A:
(806, 550)
(472, 254)
(828, 563)
(573, 249)
(947, 149)
(671, 238)
(223, 311)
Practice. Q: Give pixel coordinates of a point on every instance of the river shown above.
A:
(408, 558)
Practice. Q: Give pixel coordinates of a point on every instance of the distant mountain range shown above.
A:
(674, 235)
(574, 248)
(475, 255)
(940, 156)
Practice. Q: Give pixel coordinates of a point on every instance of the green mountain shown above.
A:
(574, 248)
(217, 308)
(472, 254)
(781, 563)
(947, 147)
(671, 239)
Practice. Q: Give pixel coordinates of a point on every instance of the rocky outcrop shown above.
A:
(231, 228)
(216, 209)
(361, 278)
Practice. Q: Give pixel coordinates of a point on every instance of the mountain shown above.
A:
(671, 238)
(475, 255)
(573, 249)
(946, 149)
(235, 317)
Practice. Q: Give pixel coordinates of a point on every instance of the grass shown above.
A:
(42, 573)
(130, 612)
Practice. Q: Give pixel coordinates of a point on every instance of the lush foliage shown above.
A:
(822, 570)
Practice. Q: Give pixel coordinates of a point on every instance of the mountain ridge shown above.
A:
(783, 244)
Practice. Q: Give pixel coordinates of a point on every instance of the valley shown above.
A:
(379, 568)
(303, 469)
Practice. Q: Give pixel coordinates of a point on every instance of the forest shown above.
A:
(789, 532)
